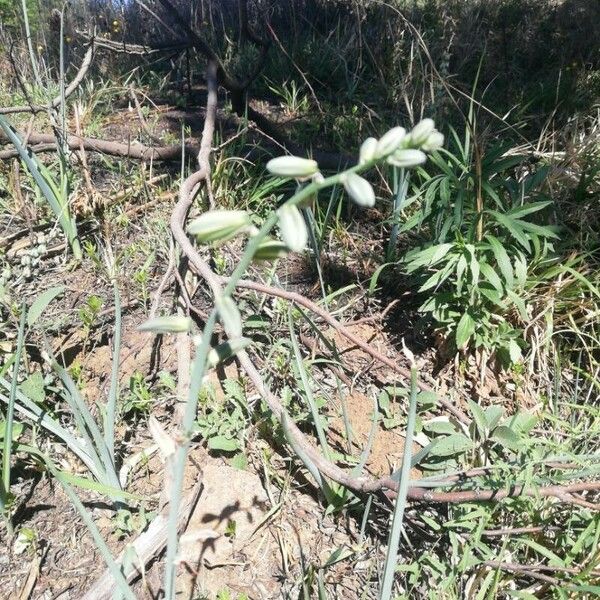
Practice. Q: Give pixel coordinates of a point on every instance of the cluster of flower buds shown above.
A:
(403, 149)
(397, 147)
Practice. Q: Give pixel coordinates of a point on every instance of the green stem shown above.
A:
(8, 426)
(391, 558)
(113, 394)
(401, 178)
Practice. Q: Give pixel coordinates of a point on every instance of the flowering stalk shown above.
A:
(401, 180)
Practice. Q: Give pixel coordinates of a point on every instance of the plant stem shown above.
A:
(8, 426)
(401, 178)
(113, 394)
(398, 517)
(34, 67)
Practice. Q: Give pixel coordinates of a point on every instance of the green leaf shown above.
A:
(440, 276)
(491, 275)
(553, 558)
(239, 461)
(222, 443)
(506, 436)
(464, 330)
(519, 303)
(456, 443)
(33, 387)
(375, 277)
(461, 267)
(502, 259)
(521, 270)
(229, 315)
(522, 423)
(514, 351)
(440, 427)
(17, 430)
(427, 257)
(479, 417)
(529, 208)
(41, 302)
(492, 294)
(539, 229)
(48, 187)
(514, 228)
(493, 414)
(427, 399)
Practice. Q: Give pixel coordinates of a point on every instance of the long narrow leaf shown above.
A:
(32, 411)
(8, 428)
(397, 520)
(113, 394)
(306, 385)
(60, 208)
(87, 425)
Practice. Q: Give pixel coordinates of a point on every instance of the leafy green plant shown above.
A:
(140, 398)
(222, 424)
(89, 312)
(293, 98)
(483, 246)
(489, 435)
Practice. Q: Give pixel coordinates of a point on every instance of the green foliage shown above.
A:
(139, 399)
(490, 437)
(479, 217)
(222, 423)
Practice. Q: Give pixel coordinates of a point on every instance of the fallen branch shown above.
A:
(44, 142)
(560, 492)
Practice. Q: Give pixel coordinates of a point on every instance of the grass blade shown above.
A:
(113, 393)
(8, 427)
(37, 170)
(398, 516)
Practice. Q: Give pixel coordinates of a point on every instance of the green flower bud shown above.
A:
(367, 150)
(229, 315)
(421, 131)
(359, 190)
(434, 142)
(170, 324)
(390, 141)
(226, 350)
(293, 228)
(407, 158)
(219, 225)
(292, 166)
(270, 249)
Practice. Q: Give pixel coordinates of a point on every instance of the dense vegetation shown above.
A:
(300, 299)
